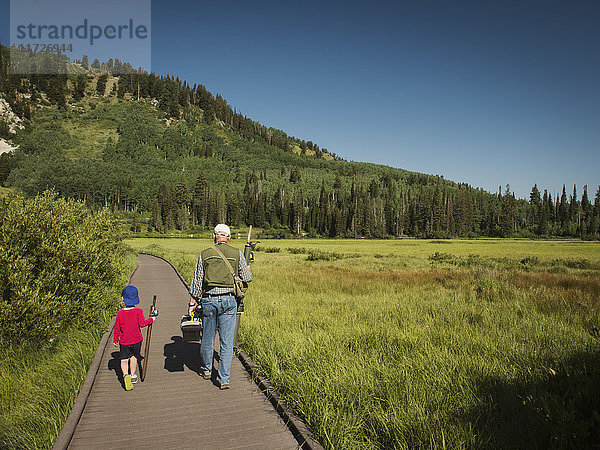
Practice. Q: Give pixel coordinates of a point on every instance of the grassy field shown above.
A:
(433, 344)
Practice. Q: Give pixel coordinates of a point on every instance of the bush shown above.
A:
(441, 257)
(580, 263)
(269, 249)
(299, 250)
(318, 255)
(58, 265)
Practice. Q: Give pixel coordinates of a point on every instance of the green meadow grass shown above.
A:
(38, 388)
(91, 136)
(429, 344)
(4, 191)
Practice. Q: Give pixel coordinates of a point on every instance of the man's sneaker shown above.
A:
(128, 384)
(134, 379)
(224, 386)
(206, 374)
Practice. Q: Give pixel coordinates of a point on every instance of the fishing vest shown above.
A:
(216, 272)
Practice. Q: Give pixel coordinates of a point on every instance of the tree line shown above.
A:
(184, 158)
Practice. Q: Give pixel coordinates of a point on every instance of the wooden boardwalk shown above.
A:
(175, 407)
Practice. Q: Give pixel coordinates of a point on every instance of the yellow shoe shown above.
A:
(128, 383)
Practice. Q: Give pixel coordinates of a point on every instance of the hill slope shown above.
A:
(180, 157)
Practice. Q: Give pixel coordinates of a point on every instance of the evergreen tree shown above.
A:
(79, 88)
(595, 228)
(586, 212)
(121, 87)
(563, 211)
(507, 219)
(574, 214)
(201, 200)
(182, 200)
(4, 130)
(295, 175)
(535, 202)
(542, 228)
(156, 222)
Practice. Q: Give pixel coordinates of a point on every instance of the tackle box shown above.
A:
(191, 327)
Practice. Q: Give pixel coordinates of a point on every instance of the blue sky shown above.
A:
(482, 92)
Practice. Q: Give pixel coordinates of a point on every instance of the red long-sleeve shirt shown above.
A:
(128, 324)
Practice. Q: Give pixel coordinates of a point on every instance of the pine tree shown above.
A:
(563, 211)
(507, 218)
(4, 130)
(535, 202)
(542, 227)
(586, 211)
(297, 212)
(595, 229)
(79, 89)
(295, 175)
(101, 85)
(573, 205)
(182, 200)
(201, 200)
(155, 217)
(167, 201)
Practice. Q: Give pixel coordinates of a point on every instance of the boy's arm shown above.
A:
(143, 322)
(117, 330)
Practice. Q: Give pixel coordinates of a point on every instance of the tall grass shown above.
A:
(38, 388)
(391, 348)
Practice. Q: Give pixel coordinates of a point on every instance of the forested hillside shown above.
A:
(175, 156)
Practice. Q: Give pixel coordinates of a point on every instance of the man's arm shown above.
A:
(244, 270)
(196, 286)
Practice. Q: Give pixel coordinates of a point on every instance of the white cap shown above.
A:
(222, 230)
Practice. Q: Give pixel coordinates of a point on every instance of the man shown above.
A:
(213, 283)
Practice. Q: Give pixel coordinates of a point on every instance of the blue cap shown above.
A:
(130, 295)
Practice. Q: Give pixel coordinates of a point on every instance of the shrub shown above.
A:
(318, 255)
(58, 264)
(299, 250)
(580, 263)
(441, 257)
(530, 261)
(269, 249)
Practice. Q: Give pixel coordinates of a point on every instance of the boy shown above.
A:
(127, 332)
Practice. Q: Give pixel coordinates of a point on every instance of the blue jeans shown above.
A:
(218, 313)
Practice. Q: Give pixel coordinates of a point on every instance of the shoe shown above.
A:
(206, 374)
(128, 384)
(224, 386)
(134, 379)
